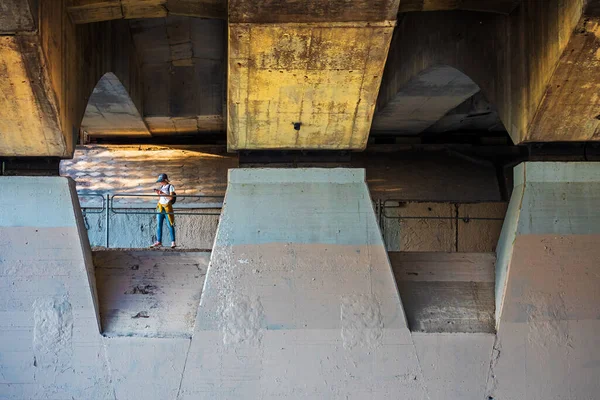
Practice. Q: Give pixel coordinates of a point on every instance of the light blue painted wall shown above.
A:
(43, 202)
(265, 209)
(560, 198)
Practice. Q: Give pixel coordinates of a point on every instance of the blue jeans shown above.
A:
(160, 217)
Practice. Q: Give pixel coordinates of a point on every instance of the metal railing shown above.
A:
(109, 205)
(179, 205)
(93, 209)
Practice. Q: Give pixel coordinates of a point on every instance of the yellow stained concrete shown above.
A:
(24, 128)
(324, 75)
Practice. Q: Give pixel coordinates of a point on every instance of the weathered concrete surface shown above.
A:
(86, 11)
(299, 282)
(571, 99)
(454, 365)
(149, 293)
(424, 100)
(77, 57)
(183, 59)
(442, 226)
(281, 11)
(446, 292)
(510, 57)
(147, 368)
(357, 10)
(548, 284)
(498, 6)
(48, 74)
(325, 76)
(50, 346)
(427, 176)
(29, 123)
(17, 16)
(111, 112)
(476, 114)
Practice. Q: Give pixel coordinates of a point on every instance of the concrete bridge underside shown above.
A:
(310, 75)
(304, 286)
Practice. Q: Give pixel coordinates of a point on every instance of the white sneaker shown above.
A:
(173, 245)
(156, 245)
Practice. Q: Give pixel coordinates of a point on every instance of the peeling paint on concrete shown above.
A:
(243, 320)
(362, 324)
(53, 333)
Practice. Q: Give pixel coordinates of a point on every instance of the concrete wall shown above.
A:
(442, 226)
(302, 303)
(548, 281)
(447, 183)
(50, 346)
(149, 293)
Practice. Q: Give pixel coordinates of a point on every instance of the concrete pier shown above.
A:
(300, 300)
(50, 343)
(548, 285)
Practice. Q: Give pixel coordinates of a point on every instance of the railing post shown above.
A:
(107, 219)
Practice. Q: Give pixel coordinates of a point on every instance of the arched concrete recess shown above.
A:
(511, 57)
(424, 100)
(110, 111)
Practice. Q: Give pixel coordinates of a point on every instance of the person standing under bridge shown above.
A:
(164, 208)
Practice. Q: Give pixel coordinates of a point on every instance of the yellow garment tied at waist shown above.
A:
(168, 208)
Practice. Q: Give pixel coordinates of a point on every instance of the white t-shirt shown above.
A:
(166, 189)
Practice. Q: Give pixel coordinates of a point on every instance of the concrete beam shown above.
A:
(496, 6)
(282, 11)
(305, 75)
(570, 110)
(17, 16)
(86, 11)
(324, 76)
